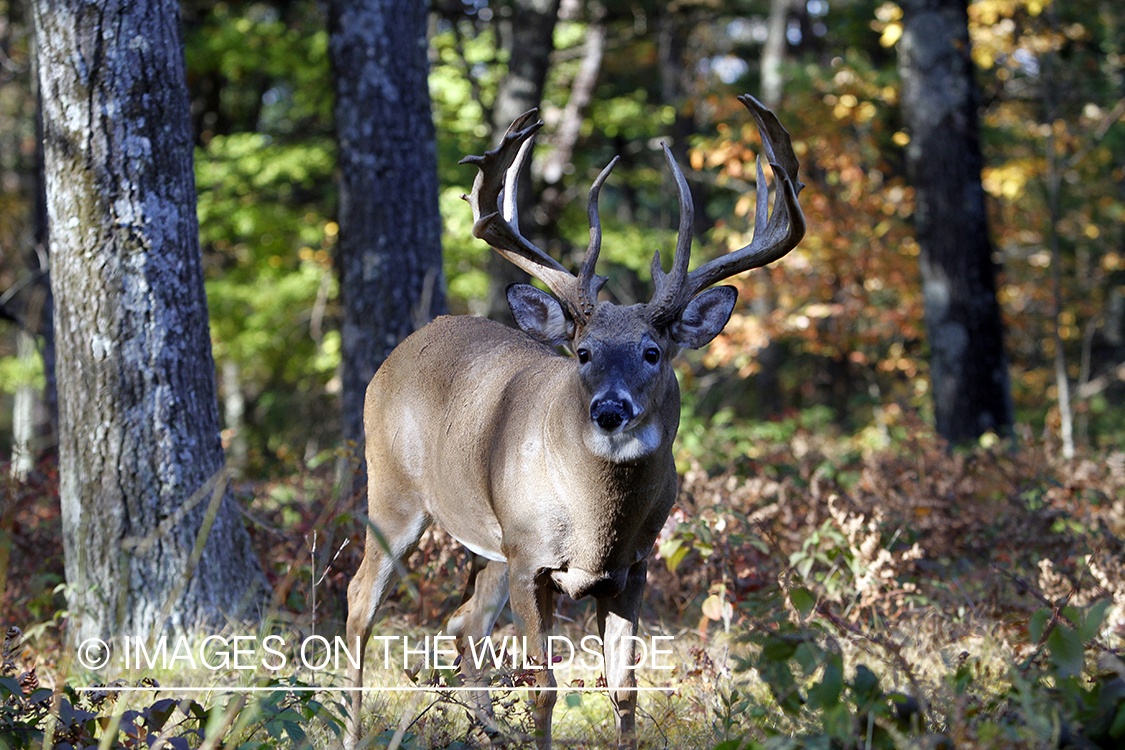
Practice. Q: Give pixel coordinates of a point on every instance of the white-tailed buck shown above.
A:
(556, 469)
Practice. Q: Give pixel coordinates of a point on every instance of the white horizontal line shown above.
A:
(412, 689)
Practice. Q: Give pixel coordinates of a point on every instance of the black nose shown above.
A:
(610, 413)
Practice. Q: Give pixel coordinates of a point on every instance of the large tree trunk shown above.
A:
(527, 33)
(389, 252)
(968, 368)
(138, 421)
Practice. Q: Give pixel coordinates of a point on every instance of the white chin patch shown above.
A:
(621, 447)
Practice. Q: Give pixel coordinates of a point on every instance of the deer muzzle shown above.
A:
(613, 411)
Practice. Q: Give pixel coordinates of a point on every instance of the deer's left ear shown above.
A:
(704, 317)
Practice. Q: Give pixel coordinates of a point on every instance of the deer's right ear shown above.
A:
(539, 314)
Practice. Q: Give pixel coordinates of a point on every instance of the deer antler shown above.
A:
(774, 235)
(493, 200)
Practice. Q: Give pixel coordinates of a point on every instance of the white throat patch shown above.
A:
(625, 446)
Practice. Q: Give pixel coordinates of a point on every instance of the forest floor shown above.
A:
(809, 592)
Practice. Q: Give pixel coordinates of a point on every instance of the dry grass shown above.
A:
(924, 565)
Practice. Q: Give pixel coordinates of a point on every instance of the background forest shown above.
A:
(875, 584)
(834, 330)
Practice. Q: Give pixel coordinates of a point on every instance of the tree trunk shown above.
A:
(23, 410)
(968, 368)
(528, 35)
(773, 52)
(570, 126)
(389, 251)
(771, 357)
(48, 427)
(138, 426)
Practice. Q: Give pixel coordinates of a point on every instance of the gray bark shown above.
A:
(138, 416)
(773, 53)
(389, 251)
(968, 367)
(23, 411)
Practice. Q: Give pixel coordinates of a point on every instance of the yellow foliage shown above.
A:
(891, 34)
(1009, 180)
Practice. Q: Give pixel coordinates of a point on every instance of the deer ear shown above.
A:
(539, 314)
(704, 317)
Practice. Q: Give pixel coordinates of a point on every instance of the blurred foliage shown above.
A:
(265, 160)
(881, 590)
(836, 325)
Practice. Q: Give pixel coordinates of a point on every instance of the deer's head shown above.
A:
(623, 353)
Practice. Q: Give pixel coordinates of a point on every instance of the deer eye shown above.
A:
(652, 355)
(583, 355)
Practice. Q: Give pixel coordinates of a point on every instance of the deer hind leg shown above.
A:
(533, 601)
(395, 527)
(617, 618)
(486, 593)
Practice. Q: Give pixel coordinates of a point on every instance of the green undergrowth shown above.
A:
(819, 590)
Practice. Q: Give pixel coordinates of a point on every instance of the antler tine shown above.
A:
(668, 298)
(784, 229)
(510, 206)
(496, 222)
(589, 283)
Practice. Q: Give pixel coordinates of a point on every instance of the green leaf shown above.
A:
(158, 713)
(837, 722)
(738, 744)
(8, 686)
(1037, 623)
(865, 686)
(1093, 618)
(778, 650)
(295, 731)
(274, 728)
(1068, 652)
(194, 709)
(673, 552)
(42, 695)
(826, 693)
(1117, 729)
(783, 686)
(802, 599)
(809, 655)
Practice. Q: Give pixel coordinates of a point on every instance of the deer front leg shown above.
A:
(533, 600)
(617, 619)
(391, 537)
(486, 593)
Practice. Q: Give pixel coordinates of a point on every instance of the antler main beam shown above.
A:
(498, 224)
(493, 200)
(774, 234)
